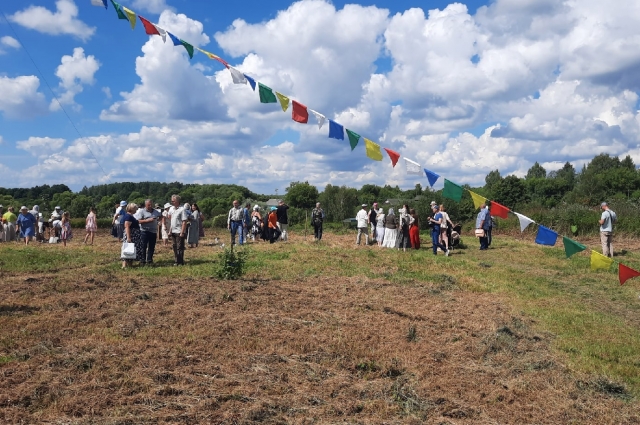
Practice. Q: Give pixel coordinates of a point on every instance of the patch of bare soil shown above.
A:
(114, 350)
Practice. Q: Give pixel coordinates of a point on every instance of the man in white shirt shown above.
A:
(607, 219)
(362, 217)
(179, 219)
(234, 221)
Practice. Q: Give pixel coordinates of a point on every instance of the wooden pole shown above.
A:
(306, 215)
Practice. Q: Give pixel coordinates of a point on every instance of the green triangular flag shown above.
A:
(572, 247)
(452, 191)
(189, 48)
(266, 94)
(353, 138)
(118, 9)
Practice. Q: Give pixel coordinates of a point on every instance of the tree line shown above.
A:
(604, 178)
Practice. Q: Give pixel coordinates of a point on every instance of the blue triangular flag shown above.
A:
(546, 236)
(176, 40)
(336, 131)
(431, 176)
(251, 81)
(105, 4)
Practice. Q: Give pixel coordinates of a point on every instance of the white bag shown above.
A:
(53, 239)
(128, 251)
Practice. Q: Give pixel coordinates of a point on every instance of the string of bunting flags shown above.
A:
(300, 113)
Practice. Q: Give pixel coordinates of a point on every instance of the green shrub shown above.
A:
(231, 264)
(220, 221)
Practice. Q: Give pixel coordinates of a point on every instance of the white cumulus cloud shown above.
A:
(64, 21)
(20, 98)
(74, 72)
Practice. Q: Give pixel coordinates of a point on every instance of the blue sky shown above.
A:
(433, 84)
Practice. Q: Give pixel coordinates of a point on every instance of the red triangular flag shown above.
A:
(149, 28)
(498, 210)
(625, 273)
(299, 112)
(395, 156)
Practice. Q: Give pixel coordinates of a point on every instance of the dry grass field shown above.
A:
(318, 334)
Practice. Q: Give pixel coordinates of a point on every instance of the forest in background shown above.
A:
(558, 199)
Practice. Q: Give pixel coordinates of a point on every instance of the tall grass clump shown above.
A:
(231, 264)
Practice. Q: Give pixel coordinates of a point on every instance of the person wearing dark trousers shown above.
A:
(490, 228)
(179, 220)
(482, 223)
(317, 217)
(234, 223)
(435, 223)
(148, 219)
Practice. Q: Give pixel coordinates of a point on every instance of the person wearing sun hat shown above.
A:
(274, 232)
(362, 218)
(117, 219)
(165, 222)
(26, 225)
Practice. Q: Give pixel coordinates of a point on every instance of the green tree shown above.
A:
(537, 171)
(491, 180)
(301, 195)
(510, 192)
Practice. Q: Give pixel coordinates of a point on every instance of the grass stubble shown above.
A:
(317, 333)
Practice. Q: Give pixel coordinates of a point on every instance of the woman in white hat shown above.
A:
(26, 224)
(256, 223)
(166, 224)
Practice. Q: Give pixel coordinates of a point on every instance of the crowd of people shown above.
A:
(246, 223)
(30, 225)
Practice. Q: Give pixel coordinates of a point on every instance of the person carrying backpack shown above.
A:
(607, 220)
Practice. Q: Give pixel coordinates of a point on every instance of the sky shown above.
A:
(460, 88)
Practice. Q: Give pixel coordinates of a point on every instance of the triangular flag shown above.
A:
(266, 94)
(372, 149)
(599, 261)
(431, 176)
(214, 57)
(99, 3)
(393, 155)
(188, 47)
(572, 247)
(546, 236)
(524, 221)
(176, 40)
(498, 210)
(131, 16)
(284, 101)
(412, 167)
(625, 273)
(251, 81)
(162, 33)
(336, 131)
(118, 9)
(149, 28)
(299, 113)
(452, 191)
(354, 138)
(478, 201)
(319, 118)
(237, 76)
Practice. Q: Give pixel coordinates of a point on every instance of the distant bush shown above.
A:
(220, 221)
(231, 264)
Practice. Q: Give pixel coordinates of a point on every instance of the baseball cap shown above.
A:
(273, 208)
(58, 207)
(604, 204)
(23, 208)
(122, 204)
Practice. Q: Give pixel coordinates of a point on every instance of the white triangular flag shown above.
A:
(163, 33)
(524, 221)
(319, 117)
(237, 76)
(99, 3)
(413, 167)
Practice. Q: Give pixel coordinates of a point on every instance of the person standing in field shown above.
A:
(283, 220)
(444, 227)
(482, 223)
(91, 225)
(246, 223)
(148, 220)
(131, 233)
(362, 219)
(436, 222)
(26, 224)
(404, 241)
(274, 232)
(234, 222)
(193, 234)
(372, 221)
(1, 224)
(317, 218)
(380, 217)
(117, 219)
(256, 223)
(9, 220)
(66, 234)
(414, 229)
(179, 220)
(607, 220)
(166, 224)
(390, 230)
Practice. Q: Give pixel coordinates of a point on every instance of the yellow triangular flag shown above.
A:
(373, 150)
(478, 201)
(209, 54)
(284, 101)
(131, 15)
(599, 261)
